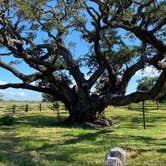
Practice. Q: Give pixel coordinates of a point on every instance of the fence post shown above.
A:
(130, 106)
(143, 111)
(58, 114)
(40, 107)
(14, 109)
(157, 103)
(26, 108)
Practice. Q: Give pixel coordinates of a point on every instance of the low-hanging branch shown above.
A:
(136, 96)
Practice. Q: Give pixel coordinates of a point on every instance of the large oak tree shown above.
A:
(122, 36)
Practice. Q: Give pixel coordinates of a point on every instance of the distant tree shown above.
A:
(146, 83)
(47, 98)
(123, 36)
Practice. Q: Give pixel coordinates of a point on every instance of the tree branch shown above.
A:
(6, 54)
(128, 74)
(159, 25)
(95, 76)
(143, 35)
(135, 97)
(132, 70)
(25, 78)
(24, 86)
(13, 70)
(162, 65)
(71, 63)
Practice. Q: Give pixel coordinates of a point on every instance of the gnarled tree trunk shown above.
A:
(88, 111)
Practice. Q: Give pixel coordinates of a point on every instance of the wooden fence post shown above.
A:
(58, 114)
(14, 109)
(130, 106)
(157, 103)
(40, 107)
(26, 108)
(143, 111)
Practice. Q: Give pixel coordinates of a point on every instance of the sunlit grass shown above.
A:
(39, 139)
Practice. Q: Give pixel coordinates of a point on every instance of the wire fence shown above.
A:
(17, 108)
(147, 106)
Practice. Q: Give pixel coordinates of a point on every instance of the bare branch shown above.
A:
(162, 65)
(157, 61)
(143, 35)
(24, 78)
(12, 69)
(56, 93)
(24, 86)
(89, 10)
(132, 70)
(73, 66)
(159, 25)
(128, 74)
(6, 54)
(136, 96)
(95, 76)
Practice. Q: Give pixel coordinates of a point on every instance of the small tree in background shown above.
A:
(146, 83)
(55, 104)
(47, 98)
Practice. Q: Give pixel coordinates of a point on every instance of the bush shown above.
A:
(7, 120)
(55, 106)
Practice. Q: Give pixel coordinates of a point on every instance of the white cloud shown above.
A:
(20, 95)
(2, 82)
(148, 71)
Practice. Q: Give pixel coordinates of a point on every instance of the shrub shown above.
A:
(7, 120)
(55, 106)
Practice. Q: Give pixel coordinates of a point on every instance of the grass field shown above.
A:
(38, 139)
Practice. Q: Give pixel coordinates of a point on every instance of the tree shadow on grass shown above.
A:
(29, 150)
(68, 149)
(115, 140)
(11, 154)
(87, 137)
(40, 121)
(66, 152)
(135, 122)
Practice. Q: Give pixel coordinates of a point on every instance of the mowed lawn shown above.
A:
(37, 139)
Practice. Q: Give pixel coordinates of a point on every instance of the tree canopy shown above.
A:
(122, 37)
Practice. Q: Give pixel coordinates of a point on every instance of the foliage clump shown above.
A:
(7, 120)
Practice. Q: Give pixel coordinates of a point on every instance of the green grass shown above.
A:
(38, 139)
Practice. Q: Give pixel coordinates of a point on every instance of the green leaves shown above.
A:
(146, 84)
(15, 62)
(34, 26)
